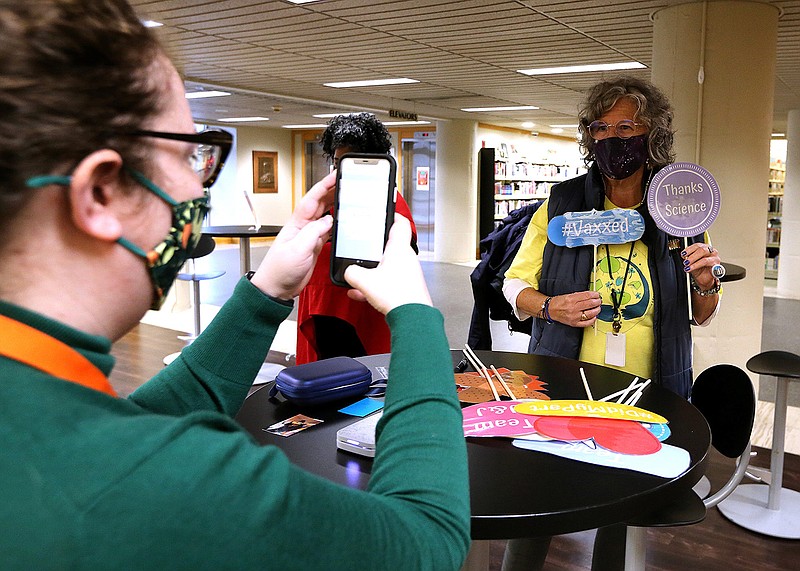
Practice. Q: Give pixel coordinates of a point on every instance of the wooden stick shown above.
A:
(481, 368)
(586, 385)
(630, 387)
(637, 394)
(688, 284)
(624, 391)
(503, 382)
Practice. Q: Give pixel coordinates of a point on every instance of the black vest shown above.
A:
(567, 270)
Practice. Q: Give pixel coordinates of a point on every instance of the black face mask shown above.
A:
(620, 158)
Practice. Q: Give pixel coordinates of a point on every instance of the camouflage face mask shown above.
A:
(165, 259)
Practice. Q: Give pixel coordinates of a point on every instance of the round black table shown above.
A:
(243, 233)
(733, 272)
(515, 492)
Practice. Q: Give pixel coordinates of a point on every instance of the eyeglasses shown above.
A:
(213, 146)
(623, 129)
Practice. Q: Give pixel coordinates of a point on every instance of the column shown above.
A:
(789, 268)
(716, 62)
(456, 231)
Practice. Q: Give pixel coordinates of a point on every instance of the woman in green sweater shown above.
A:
(98, 163)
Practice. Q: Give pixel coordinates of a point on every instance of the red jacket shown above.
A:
(321, 297)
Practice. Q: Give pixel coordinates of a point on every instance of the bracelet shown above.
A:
(545, 311)
(705, 293)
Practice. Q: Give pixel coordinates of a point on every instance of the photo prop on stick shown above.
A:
(591, 409)
(683, 199)
(595, 227)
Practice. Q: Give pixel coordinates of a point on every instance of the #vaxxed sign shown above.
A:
(595, 227)
(683, 199)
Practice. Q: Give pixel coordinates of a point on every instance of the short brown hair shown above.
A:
(73, 72)
(654, 110)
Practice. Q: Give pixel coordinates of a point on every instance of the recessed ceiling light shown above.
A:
(490, 109)
(527, 124)
(778, 134)
(314, 126)
(151, 24)
(398, 123)
(556, 130)
(243, 119)
(204, 94)
(582, 68)
(371, 82)
(331, 115)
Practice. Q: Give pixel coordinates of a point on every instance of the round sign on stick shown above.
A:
(683, 199)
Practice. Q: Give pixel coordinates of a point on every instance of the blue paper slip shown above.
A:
(363, 407)
(595, 227)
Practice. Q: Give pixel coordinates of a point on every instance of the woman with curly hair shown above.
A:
(329, 323)
(639, 303)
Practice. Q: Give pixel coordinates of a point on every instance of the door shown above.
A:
(419, 187)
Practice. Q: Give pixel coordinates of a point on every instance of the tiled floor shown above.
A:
(450, 290)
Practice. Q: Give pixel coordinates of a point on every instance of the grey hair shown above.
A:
(653, 110)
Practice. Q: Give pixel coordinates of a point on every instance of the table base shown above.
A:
(747, 507)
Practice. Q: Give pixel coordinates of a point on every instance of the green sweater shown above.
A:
(167, 480)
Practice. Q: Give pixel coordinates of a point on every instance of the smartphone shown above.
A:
(364, 203)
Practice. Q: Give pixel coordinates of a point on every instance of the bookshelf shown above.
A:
(508, 181)
(777, 177)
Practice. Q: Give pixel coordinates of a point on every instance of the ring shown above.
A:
(710, 250)
(583, 316)
(718, 270)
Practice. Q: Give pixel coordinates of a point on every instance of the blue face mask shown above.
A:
(620, 158)
(165, 259)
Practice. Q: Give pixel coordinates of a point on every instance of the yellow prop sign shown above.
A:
(589, 408)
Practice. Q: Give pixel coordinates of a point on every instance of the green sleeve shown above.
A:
(209, 497)
(217, 369)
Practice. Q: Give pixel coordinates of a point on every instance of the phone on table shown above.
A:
(364, 202)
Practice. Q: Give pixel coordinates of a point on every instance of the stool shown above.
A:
(204, 247)
(771, 510)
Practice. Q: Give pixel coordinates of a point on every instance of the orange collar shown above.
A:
(41, 351)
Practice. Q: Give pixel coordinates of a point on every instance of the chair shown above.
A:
(204, 247)
(724, 395)
(772, 510)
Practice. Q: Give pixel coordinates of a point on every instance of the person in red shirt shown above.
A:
(330, 324)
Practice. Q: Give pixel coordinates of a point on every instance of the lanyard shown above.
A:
(41, 351)
(616, 324)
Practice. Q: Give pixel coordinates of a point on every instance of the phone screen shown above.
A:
(364, 201)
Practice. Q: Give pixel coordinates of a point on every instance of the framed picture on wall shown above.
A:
(265, 171)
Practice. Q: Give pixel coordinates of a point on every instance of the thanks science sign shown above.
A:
(683, 199)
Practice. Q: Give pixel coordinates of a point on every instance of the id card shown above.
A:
(615, 349)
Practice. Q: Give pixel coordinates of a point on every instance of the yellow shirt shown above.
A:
(637, 298)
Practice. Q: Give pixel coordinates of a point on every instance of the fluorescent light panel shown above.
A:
(205, 94)
(151, 24)
(313, 126)
(243, 119)
(398, 123)
(582, 68)
(491, 109)
(567, 126)
(371, 82)
(303, 1)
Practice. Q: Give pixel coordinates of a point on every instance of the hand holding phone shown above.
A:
(364, 204)
(398, 279)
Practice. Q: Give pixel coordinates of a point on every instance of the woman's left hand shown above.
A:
(699, 259)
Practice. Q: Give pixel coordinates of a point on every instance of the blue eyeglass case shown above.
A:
(322, 381)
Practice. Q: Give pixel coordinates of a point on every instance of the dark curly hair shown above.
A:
(80, 69)
(653, 109)
(362, 132)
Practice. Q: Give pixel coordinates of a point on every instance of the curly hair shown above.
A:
(361, 132)
(80, 70)
(653, 109)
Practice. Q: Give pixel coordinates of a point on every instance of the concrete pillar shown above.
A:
(789, 266)
(456, 229)
(716, 62)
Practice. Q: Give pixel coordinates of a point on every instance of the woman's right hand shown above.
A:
(398, 279)
(579, 309)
